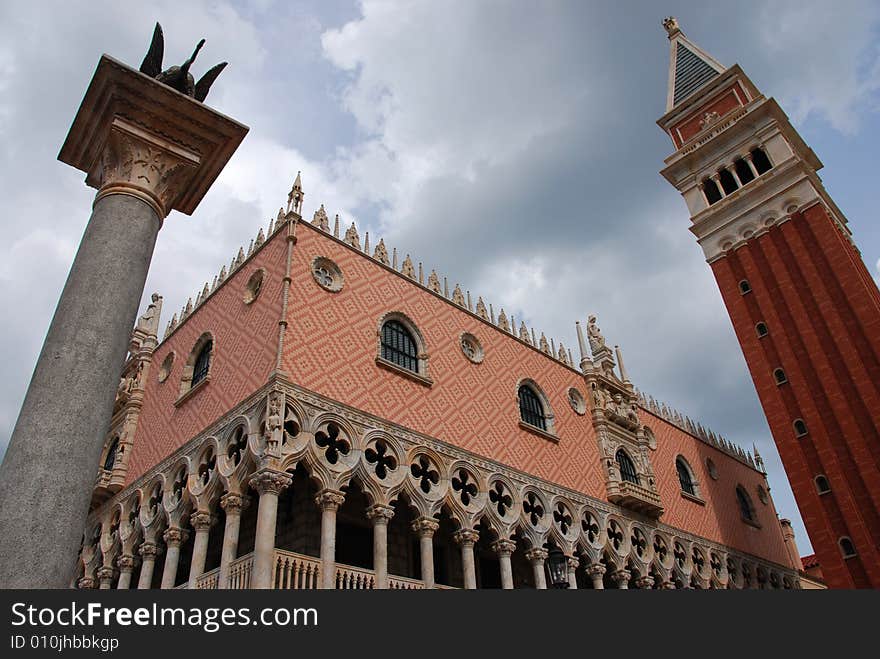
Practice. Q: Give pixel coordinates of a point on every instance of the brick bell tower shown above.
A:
(804, 306)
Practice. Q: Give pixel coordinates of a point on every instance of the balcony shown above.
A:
(635, 497)
(292, 571)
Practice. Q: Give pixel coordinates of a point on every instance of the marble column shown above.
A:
(148, 552)
(125, 563)
(269, 484)
(573, 564)
(466, 539)
(504, 548)
(146, 152)
(425, 528)
(748, 158)
(174, 537)
(537, 557)
(596, 572)
(329, 502)
(201, 521)
(621, 578)
(105, 577)
(380, 516)
(232, 503)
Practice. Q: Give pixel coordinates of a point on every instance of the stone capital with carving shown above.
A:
(174, 536)
(465, 537)
(125, 563)
(380, 514)
(85, 583)
(328, 499)
(149, 550)
(536, 554)
(106, 573)
(268, 481)
(573, 563)
(503, 547)
(621, 576)
(645, 583)
(596, 570)
(425, 527)
(202, 520)
(233, 503)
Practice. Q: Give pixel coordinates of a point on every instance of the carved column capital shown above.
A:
(143, 164)
(536, 554)
(503, 547)
(380, 514)
(202, 520)
(669, 585)
(105, 573)
(645, 583)
(270, 481)
(328, 499)
(149, 550)
(125, 562)
(174, 536)
(425, 527)
(621, 576)
(596, 570)
(233, 503)
(465, 537)
(573, 563)
(85, 583)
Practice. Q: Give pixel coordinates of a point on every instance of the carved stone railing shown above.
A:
(240, 572)
(208, 581)
(295, 571)
(354, 578)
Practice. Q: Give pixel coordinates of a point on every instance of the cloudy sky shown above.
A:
(509, 145)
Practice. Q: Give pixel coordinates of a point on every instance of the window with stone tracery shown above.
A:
(626, 466)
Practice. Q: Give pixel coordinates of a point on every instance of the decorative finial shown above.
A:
(671, 25)
(295, 198)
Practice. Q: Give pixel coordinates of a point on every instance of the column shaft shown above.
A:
(329, 502)
(466, 539)
(425, 529)
(201, 522)
(380, 515)
(68, 404)
(173, 538)
(232, 504)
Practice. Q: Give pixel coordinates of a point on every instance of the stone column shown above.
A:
(732, 169)
(105, 577)
(147, 150)
(201, 521)
(716, 179)
(269, 484)
(233, 504)
(174, 537)
(328, 501)
(380, 515)
(596, 572)
(573, 564)
(504, 548)
(466, 538)
(621, 578)
(148, 552)
(125, 563)
(537, 557)
(425, 528)
(748, 158)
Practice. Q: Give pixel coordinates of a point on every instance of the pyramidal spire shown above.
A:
(690, 67)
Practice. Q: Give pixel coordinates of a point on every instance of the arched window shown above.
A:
(743, 171)
(800, 428)
(110, 459)
(685, 479)
(744, 287)
(399, 346)
(822, 485)
(779, 375)
(761, 161)
(847, 548)
(627, 468)
(203, 363)
(728, 183)
(710, 189)
(531, 410)
(761, 329)
(746, 509)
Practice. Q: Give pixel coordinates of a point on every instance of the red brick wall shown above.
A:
(823, 314)
(245, 348)
(723, 104)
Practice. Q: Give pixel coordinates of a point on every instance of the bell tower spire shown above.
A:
(690, 67)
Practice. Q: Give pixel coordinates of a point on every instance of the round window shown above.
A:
(165, 368)
(713, 470)
(471, 348)
(327, 274)
(254, 286)
(576, 400)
